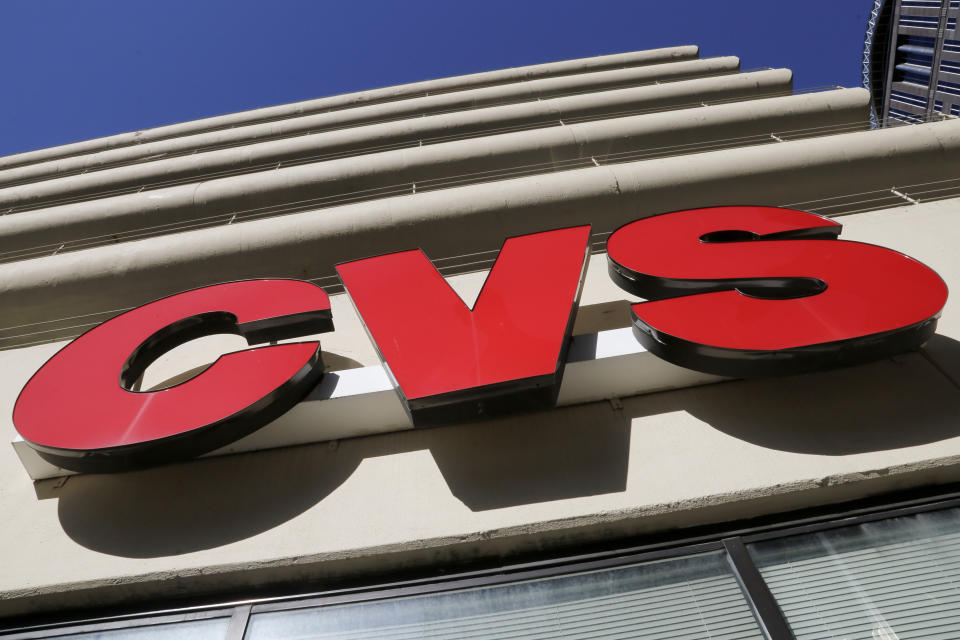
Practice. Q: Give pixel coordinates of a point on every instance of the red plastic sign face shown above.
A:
(455, 363)
(79, 410)
(748, 291)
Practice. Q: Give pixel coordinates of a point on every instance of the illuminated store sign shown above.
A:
(741, 291)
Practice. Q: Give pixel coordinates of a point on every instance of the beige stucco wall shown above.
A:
(497, 488)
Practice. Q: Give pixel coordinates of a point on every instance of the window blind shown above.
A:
(688, 598)
(897, 579)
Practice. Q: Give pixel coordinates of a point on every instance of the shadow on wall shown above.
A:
(571, 452)
(567, 453)
(899, 402)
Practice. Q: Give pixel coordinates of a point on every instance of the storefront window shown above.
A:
(896, 579)
(693, 597)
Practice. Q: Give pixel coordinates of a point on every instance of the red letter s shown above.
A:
(753, 291)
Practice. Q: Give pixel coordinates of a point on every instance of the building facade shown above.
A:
(911, 61)
(653, 501)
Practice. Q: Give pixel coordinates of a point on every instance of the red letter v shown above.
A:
(506, 354)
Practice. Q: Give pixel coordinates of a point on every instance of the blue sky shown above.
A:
(75, 69)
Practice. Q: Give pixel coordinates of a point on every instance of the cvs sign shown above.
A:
(737, 291)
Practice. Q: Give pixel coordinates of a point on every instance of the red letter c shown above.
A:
(78, 410)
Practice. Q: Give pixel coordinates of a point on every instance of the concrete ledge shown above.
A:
(168, 163)
(347, 100)
(310, 186)
(468, 219)
(331, 570)
(299, 136)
